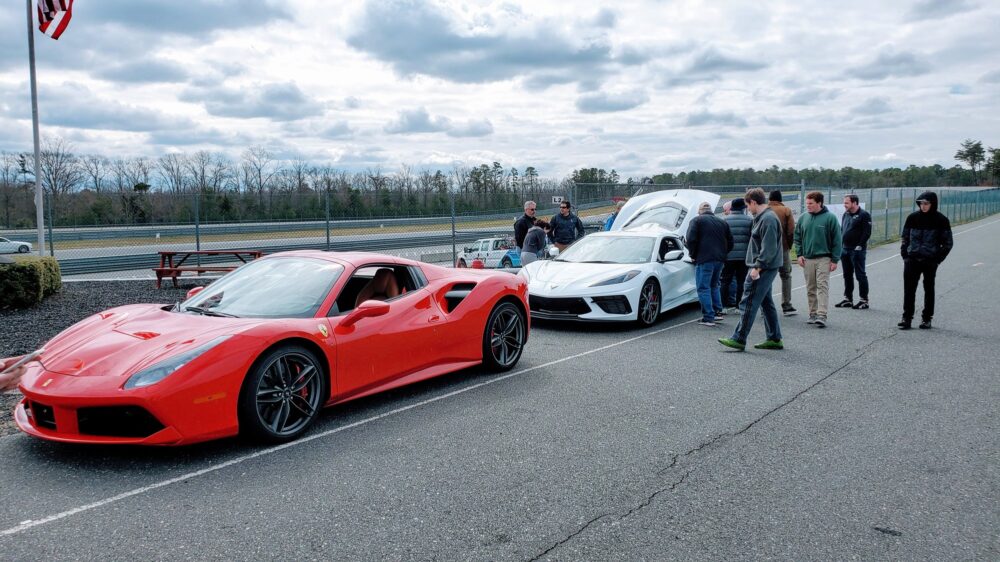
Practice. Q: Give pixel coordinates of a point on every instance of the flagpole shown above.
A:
(39, 199)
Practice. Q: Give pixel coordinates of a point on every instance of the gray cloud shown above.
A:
(605, 18)
(710, 65)
(542, 81)
(197, 136)
(278, 102)
(872, 106)
(939, 9)
(337, 130)
(419, 39)
(991, 77)
(416, 121)
(472, 128)
(605, 102)
(151, 70)
(959, 90)
(889, 64)
(809, 96)
(190, 17)
(708, 118)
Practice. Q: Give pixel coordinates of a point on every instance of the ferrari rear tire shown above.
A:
(282, 394)
(649, 303)
(504, 337)
(23, 249)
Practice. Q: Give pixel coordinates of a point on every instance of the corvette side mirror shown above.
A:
(367, 309)
(673, 255)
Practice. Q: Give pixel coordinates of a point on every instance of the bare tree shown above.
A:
(9, 170)
(258, 170)
(61, 171)
(172, 170)
(208, 171)
(95, 168)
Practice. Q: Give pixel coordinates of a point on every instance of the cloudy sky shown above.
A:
(641, 86)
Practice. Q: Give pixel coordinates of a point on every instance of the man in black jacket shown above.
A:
(735, 270)
(856, 226)
(709, 240)
(926, 242)
(566, 227)
(522, 224)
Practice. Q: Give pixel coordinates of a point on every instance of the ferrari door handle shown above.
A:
(434, 318)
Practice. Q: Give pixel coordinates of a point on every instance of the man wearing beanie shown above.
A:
(787, 221)
(926, 242)
(708, 242)
(734, 272)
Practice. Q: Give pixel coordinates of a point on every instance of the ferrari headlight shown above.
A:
(628, 275)
(156, 373)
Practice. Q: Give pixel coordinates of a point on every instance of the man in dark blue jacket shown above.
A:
(734, 272)
(926, 243)
(856, 229)
(566, 227)
(708, 241)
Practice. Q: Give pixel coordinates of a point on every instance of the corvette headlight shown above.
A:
(628, 275)
(159, 371)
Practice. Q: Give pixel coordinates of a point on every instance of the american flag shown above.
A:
(54, 16)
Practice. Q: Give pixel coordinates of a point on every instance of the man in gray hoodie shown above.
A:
(764, 258)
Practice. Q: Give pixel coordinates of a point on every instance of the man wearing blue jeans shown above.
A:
(708, 241)
(764, 257)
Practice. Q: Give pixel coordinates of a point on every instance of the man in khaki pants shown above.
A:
(818, 246)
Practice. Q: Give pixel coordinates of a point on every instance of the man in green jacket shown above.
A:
(818, 246)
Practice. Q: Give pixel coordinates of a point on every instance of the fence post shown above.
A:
(802, 196)
(885, 214)
(327, 204)
(197, 224)
(52, 248)
(454, 251)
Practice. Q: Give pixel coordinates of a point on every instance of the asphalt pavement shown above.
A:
(606, 443)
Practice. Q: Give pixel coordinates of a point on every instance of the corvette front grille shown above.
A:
(617, 304)
(573, 305)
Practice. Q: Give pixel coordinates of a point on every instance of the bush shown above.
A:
(28, 280)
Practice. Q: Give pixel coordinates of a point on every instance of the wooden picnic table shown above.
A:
(173, 263)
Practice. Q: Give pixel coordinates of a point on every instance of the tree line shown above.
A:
(88, 189)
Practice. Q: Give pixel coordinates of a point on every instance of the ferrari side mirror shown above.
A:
(194, 291)
(367, 309)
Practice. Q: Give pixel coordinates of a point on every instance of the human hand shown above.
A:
(8, 381)
(858, 248)
(801, 261)
(833, 266)
(755, 274)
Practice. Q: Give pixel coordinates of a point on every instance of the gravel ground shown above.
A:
(22, 331)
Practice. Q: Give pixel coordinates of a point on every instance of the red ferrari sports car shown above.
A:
(262, 349)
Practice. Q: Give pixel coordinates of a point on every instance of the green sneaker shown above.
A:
(730, 342)
(770, 344)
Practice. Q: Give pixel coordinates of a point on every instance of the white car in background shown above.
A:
(635, 272)
(493, 252)
(8, 246)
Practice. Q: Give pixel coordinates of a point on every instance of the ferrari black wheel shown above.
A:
(649, 303)
(282, 394)
(504, 338)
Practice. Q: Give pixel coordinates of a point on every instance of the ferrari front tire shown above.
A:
(504, 337)
(649, 303)
(282, 394)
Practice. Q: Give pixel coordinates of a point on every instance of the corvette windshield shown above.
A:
(270, 288)
(669, 216)
(609, 249)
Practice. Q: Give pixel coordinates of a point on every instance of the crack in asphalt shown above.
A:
(722, 436)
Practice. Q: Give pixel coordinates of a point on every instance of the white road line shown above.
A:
(24, 526)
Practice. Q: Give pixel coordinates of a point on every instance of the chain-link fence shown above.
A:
(103, 232)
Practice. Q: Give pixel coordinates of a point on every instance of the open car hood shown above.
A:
(687, 198)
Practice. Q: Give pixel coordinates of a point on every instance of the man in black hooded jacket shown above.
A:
(926, 243)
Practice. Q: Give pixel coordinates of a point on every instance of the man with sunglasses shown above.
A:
(566, 227)
(524, 223)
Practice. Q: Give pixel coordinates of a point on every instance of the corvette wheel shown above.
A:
(282, 394)
(23, 249)
(504, 337)
(506, 263)
(649, 303)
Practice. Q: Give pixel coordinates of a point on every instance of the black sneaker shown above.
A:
(862, 305)
(790, 311)
(820, 322)
(905, 324)
(925, 325)
(846, 303)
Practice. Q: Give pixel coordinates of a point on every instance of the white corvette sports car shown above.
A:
(632, 273)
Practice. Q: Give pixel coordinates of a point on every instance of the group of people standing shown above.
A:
(751, 250)
(531, 234)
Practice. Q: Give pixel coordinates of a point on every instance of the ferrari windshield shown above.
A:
(292, 287)
(609, 249)
(669, 216)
